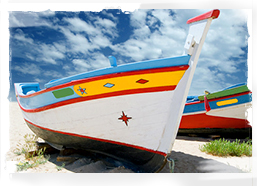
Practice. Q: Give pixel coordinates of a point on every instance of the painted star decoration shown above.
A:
(125, 118)
(82, 90)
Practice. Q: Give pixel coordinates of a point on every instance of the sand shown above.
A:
(186, 154)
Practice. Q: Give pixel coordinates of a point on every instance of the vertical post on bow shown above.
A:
(198, 29)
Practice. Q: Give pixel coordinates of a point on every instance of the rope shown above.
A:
(171, 164)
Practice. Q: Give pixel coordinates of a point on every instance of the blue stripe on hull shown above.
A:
(44, 99)
(241, 100)
(199, 107)
(159, 63)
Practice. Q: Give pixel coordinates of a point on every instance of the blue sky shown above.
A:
(51, 45)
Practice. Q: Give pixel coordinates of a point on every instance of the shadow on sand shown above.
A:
(184, 163)
(83, 162)
(79, 161)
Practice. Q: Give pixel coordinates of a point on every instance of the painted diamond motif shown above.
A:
(142, 81)
(109, 85)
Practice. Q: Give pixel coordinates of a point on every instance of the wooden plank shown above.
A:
(67, 159)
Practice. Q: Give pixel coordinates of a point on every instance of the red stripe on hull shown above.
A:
(102, 140)
(205, 121)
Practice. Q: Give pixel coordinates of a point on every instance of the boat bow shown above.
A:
(198, 29)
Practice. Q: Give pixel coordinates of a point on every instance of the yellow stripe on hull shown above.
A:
(129, 82)
(227, 102)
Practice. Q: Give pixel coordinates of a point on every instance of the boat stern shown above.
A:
(25, 89)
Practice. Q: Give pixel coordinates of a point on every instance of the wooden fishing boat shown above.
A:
(222, 112)
(128, 112)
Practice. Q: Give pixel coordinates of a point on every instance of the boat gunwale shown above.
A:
(141, 65)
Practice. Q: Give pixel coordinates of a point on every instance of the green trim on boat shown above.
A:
(63, 93)
(224, 93)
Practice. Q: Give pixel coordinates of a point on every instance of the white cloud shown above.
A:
(52, 74)
(37, 51)
(39, 80)
(14, 21)
(105, 23)
(138, 18)
(78, 25)
(94, 61)
(98, 60)
(109, 15)
(227, 35)
(165, 18)
(47, 53)
(27, 68)
(152, 21)
(82, 38)
(29, 56)
(60, 46)
(142, 32)
(27, 19)
(108, 28)
(20, 36)
(46, 13)
(51, 51)
(228, 67)
(81, 65)
(77, 42)
(204, 80)
(85, 37)
(165, 40)
(100, 42)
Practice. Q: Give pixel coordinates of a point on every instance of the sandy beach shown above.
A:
(186, 154)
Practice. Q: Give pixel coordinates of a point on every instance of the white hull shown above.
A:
(99, 118)
(237, 111)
